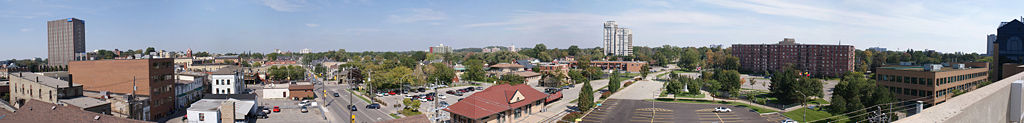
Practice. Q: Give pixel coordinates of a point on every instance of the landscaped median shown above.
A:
(756, 108)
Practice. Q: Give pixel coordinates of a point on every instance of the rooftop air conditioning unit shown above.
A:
(906, 63)
(932, 67)
(959, 66)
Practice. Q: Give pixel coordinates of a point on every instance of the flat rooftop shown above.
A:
(44, 80)
(242, 107)
(84, 102)
(921, 68)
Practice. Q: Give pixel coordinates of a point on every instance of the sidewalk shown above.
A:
(708, 97)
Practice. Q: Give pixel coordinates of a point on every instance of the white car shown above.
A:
(787, 120)
(723, 109)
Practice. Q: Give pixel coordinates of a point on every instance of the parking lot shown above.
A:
(427, 107)
(633, 111)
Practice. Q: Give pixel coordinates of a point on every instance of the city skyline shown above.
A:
(262, 26)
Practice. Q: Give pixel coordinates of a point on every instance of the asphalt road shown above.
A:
(337, 106)
(637, 111)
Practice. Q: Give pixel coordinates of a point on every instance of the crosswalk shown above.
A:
(708, 116)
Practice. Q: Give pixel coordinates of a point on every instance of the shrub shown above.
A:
(606, 94)
(627, 84)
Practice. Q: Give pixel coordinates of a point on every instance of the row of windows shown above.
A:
(222, 82)
(907, 79)
(952, 79)
(910, 92)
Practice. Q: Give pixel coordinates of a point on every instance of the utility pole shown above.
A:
(437, 116)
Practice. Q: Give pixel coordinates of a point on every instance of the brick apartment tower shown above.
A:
(64, 39)
(819, 60)
(152, 77)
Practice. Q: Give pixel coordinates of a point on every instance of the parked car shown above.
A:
(723, 109)
(479, 88)
(352, 107)
(392, 93)
(450, 92)
(422, 89)
(304, 110)
(787, 120)
(277, 109)
(443, 104)
(337, 95)
(373, 106)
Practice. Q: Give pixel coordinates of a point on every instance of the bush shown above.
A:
(606, 94)
(571, 117)
(627, 84)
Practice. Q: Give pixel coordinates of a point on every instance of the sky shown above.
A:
(223, 26)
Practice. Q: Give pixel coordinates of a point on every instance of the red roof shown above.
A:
(554, 96)
(495, 99)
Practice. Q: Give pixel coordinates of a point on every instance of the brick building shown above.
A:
(625, 66)
(498, 103)
(151, 77)
(935, 82)
(817, 59)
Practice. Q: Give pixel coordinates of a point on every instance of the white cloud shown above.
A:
(312, 25)
(418, 14)
(25, 30)
(285, 5)
(537, 21)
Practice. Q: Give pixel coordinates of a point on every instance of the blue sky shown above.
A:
(371, 25)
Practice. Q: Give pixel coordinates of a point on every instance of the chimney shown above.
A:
(70, 78)
(37, 78)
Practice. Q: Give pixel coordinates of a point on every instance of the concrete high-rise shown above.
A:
(991, 40)
(65, 40)
(617, 41)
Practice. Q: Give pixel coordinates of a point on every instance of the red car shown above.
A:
(277, 109)
(391, 93)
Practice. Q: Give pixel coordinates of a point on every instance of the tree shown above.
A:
(475, 70)
(150, 50)
(511, 79)
(689, 60)
(644, 70)
(441, 72)
(573, 50)
(540, 48)
(614, 82)
(730, 80)
(577, 76)
(789, 87)
(586, 98)
(855, 91)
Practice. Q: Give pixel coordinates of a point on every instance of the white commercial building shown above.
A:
(226, 81)
(224, 109)
(275, 91)
(188, 88)
(617, 41)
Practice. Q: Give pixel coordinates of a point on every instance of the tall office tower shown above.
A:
(1008, 49)
(65, 40)
(617, 41)
(991, 40)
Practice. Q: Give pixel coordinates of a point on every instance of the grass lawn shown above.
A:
(758, 109)
(811, 115)
(361, 97)
(395, 116)
(691, 95)
(660, 75)
(410, 112)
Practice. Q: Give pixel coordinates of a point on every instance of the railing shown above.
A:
(989, 104)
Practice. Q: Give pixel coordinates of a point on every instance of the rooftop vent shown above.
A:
(53, 107)
(932, 67)
(959, 66)
(97, 117)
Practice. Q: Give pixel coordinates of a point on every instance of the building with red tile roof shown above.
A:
(504, 103)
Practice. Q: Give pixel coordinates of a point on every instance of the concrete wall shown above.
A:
(208, 117)
(275, 93)
(984, 105)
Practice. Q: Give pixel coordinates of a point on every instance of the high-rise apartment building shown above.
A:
(991, 40)
(65, 40)
(441, 49)
(815, 59)
(617, 41)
